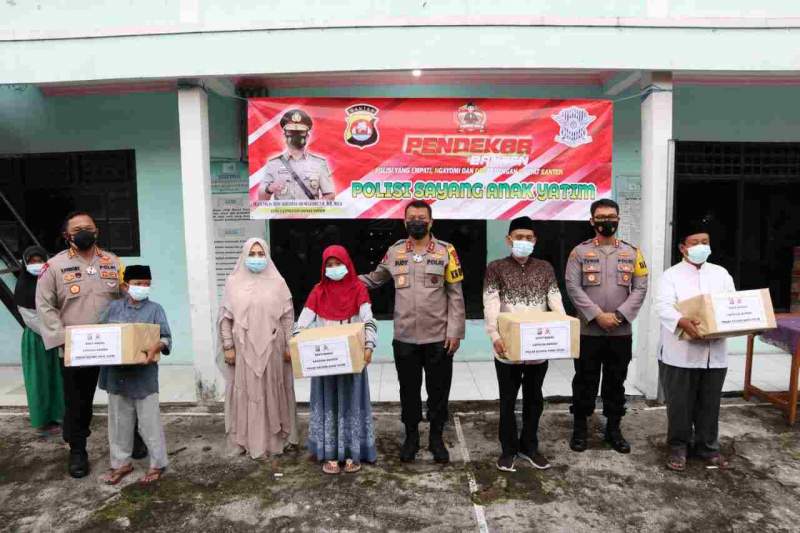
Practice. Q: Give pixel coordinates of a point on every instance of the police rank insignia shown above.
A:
(361, 125)
(573, 122)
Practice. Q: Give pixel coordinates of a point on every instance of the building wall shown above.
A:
(205, 38)
(164, 16)
(147, 123)
(31, 123)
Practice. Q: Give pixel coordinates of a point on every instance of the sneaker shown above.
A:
(537, 460)
(506, 463)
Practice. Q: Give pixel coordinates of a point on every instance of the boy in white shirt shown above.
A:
(691, 372)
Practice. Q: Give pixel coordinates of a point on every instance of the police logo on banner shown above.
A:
(361, 129)
(573, 122)
(470, 118)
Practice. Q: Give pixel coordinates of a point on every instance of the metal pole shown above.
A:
(19, 219)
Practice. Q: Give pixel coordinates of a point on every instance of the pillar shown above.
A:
(198, 232)
(656, 213)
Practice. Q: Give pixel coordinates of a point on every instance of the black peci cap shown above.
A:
(137, 272)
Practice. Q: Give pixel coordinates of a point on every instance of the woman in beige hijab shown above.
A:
(255, 325)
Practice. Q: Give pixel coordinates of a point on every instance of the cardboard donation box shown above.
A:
(729, 314)
(328, 351)
(109, 344)
(536, 335)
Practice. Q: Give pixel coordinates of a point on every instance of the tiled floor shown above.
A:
(471, 381)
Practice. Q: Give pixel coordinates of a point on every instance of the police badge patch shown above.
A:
(573, 122)
(361, 128)
(470, 118)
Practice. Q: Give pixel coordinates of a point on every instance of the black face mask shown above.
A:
(297, 139)
(417, 229)
(84, 239)
(606, 228)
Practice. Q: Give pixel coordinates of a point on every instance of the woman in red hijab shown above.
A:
(341, 429)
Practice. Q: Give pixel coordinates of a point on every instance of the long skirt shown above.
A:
(43, 384)
(341, 425)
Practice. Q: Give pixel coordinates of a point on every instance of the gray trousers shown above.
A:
(693, 398)
(123, 414)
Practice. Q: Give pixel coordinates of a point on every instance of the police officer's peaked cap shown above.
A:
(296, 119)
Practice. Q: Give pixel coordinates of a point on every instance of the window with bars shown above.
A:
(44, 188)
(749, 191)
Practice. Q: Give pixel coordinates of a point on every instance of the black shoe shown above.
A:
(410, 447)
(437, 447)
(139, 447)
(506, 463)
(579, 441)
(536, 460)
(615, 439)
(78, 463)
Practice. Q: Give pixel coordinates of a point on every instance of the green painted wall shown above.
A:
(147, 123)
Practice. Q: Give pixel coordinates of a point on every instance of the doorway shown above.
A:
(751, 194)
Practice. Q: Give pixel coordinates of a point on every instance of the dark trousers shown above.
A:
(611, 356)
(509, 379)
(410, 360)
(692, 396)
(80, 382)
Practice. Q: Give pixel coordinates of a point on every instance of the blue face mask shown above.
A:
(336, 273)
(698, 254)
(34, 269)
(138, 292)
(521, 248)
(255, 264)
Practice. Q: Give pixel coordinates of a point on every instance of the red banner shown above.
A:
(471, 159)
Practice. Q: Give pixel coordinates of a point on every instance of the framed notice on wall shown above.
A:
(231, 213)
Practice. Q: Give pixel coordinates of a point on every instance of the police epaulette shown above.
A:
(401, 241)
(315, 156)
(588, 241)
(629, 244)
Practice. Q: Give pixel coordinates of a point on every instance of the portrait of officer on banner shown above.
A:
(296, 174)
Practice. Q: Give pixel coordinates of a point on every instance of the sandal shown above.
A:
(152, 475)
(717, 462)
(331, 467)
(113, 477)
(677, 462)
(350, 467)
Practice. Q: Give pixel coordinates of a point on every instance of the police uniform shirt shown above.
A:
(311, 169)
(72, 291)
(429, 304)
(606, 279)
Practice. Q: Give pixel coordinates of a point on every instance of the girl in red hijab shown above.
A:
(341, 430)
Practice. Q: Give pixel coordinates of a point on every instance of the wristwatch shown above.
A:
(619, 316)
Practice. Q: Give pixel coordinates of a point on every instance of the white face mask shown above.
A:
(138, 293)
(522, 248)
(34, 269)
(698, 254)
(336, 273)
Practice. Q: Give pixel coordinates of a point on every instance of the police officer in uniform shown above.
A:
(606, 280)
(73, 289)
(296, 174)
(428, 324)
